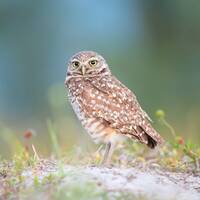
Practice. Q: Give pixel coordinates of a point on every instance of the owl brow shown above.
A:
(93, 58)
(75, 60)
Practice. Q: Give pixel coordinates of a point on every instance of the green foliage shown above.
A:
(179, 153)
(54, 139)
(36, 181)
(83, 191)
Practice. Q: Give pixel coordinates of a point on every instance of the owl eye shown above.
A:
(76, 64)
(93, 63)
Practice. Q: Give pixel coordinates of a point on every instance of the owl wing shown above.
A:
(113, 102)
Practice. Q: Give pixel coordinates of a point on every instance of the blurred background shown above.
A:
(151, 46)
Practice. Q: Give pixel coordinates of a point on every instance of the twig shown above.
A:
(169, 126)
(36, 156)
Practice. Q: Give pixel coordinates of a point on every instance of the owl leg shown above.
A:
(108, 154)
(105, 156)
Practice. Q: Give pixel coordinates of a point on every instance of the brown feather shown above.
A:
(99, 96)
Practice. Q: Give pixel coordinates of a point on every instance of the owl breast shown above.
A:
(97, 128)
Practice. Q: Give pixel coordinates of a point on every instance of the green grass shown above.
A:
(54, 140)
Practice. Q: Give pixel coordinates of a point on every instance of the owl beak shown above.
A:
(83, 70)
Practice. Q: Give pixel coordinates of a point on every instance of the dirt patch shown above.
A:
(146, 182)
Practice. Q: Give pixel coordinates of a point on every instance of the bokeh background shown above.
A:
(151, 46)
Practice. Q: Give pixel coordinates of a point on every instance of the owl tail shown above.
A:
(149, 140)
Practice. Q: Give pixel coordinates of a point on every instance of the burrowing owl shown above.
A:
(106, 108)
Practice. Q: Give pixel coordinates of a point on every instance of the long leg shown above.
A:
(105, 156)
(108, 153)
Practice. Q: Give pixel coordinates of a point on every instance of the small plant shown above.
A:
(54, 139)
(178, 153)
(84, 191)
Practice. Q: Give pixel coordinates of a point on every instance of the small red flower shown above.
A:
(29, 134)
(181, 140)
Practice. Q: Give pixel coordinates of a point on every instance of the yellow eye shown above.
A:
(93, 63)
(76, 64)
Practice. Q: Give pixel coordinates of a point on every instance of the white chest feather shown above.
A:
(77, 109)
(96, 128)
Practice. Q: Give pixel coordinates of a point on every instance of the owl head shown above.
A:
(87, 64)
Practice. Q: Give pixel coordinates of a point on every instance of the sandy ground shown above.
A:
(151, 183)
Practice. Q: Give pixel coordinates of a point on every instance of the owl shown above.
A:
(107, 109)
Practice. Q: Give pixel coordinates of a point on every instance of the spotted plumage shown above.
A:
(107, 109)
